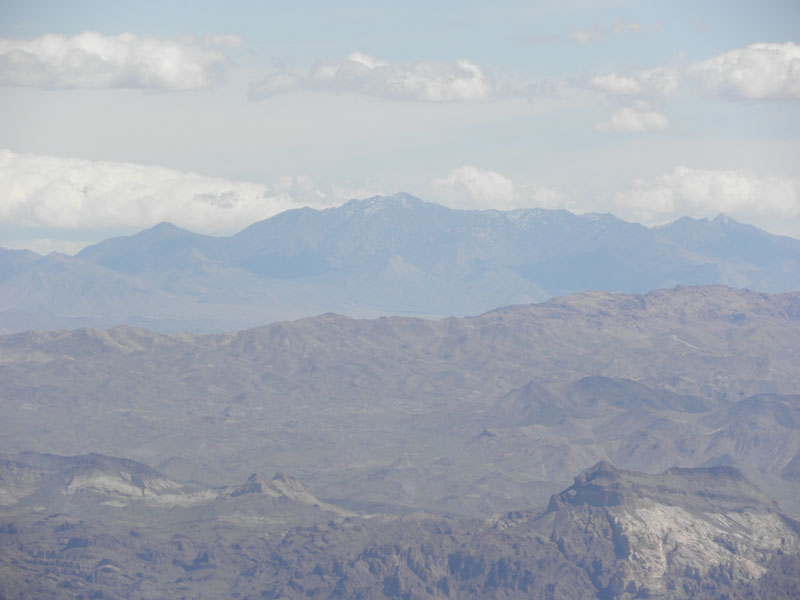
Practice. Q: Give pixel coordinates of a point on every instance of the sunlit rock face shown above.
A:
(695, 525)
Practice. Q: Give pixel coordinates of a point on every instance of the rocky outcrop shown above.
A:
(613, 534)
(686, 525)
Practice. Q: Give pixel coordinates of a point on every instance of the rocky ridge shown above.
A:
(685, 377)
(614, 534)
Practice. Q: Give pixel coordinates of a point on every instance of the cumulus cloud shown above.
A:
(64, 193)
(633, 119)
(92, 60)
(459, 81)
(758, 72)
(617, 84)
(470, 187)
(742, 194)
(762, 71)
(661, 81)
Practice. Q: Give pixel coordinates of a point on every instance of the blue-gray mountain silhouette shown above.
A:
(383, 255)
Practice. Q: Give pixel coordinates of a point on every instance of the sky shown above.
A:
(117, 116)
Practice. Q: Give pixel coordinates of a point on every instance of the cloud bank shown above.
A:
(660, 81)
(743, 194)
(80, 196)
(95, 61)
(460, 81)
(470, 187)
(762, 71)
(634, 119)
(758, 72)
(71, 193)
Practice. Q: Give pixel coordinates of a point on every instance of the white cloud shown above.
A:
(633, 119)
(93, 60)
(661, 81)
(470, 187)
(460, 81)
(617, 84)
(762, 71)
(759, 71)
(742, 194)
(71, 193)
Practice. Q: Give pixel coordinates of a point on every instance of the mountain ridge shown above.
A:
(692, 376)
(614, 534)
(383, 255)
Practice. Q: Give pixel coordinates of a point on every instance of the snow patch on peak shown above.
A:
(375, 204)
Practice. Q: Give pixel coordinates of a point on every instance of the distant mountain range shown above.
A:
(383, 255)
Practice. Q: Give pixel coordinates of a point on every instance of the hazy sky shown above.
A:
(116, 116)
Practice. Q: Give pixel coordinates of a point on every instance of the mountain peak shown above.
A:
(289, 486)
(601, 469)
(399, 200)
(164, 229)
(603, 485)
(599, 485)
(164, 225)
(722, 219)
(380, 255)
